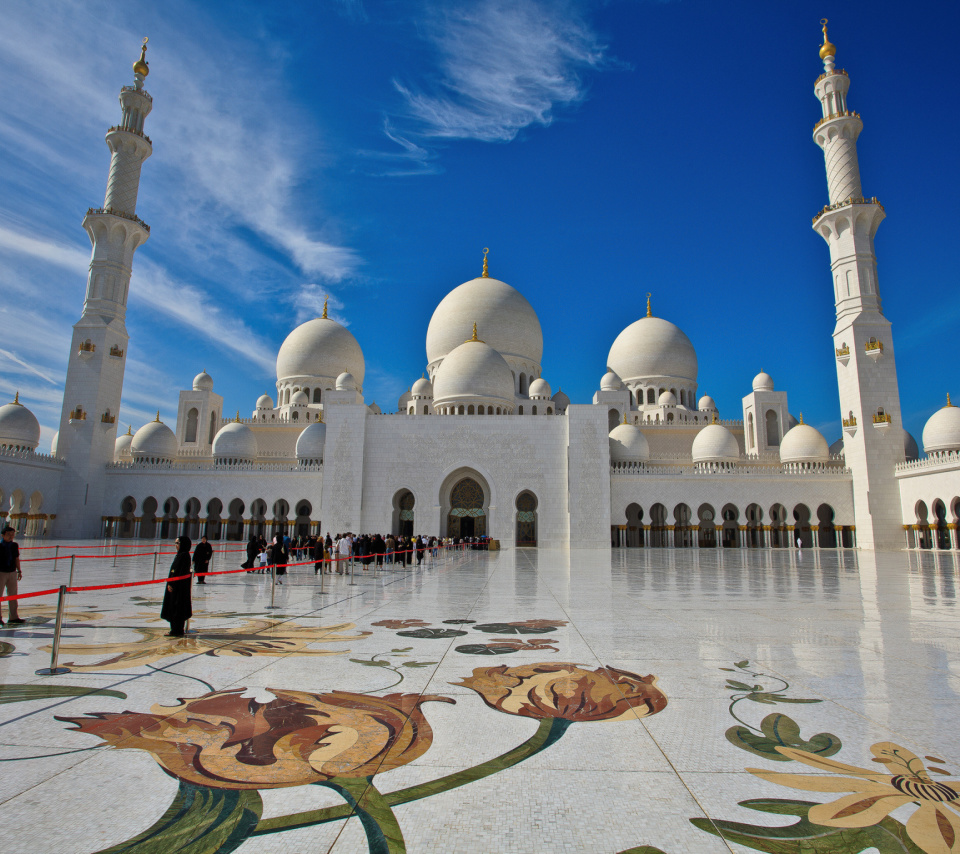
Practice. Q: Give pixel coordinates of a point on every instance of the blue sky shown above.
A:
(370, 150)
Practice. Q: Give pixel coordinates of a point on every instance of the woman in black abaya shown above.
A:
(177, 607)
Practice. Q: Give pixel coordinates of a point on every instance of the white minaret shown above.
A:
(98, 351)
(866, 370)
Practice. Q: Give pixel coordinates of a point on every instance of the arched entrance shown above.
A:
(526, 519)
(466, 509)
(403, 504)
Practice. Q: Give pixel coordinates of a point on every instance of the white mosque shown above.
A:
(480, 444)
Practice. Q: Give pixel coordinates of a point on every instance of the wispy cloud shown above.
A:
(502, 66)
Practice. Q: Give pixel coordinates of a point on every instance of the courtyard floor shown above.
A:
(517, 701)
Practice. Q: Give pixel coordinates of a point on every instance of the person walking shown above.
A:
(10, 574)
(345, 551)
(253, 549)
(317, 553)
(201, 559)
(177, 607)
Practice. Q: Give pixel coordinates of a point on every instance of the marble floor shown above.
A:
(516, 701)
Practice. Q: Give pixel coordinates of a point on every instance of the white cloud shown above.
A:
(503, 66)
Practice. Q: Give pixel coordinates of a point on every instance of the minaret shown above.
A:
(98, 351)
(866, 370)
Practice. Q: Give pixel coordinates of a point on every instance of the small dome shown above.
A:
(19, 428)
(628, 445)
(473, 370)
(154, 441)
(319, 349)
(668, 398)
(310, 442)
(346, 382)
(422, 387)
(653, 347)
(53, 443)
(375, 409)
(235, 441)
(715, 444)
(405, 398)
(611, 382)
(203, 382)
(264, 402)
(910, 449)
(561, 400)
(706, 404)
(539, 388)
(121, 448)
(792, 421)
(763, 382)
(299, 398)
(508, 322)
(940, 433)
(804, 444)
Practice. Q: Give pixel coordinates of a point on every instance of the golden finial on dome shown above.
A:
(826, 49)
(16, 398)
(624, 417)
(716, 420)
(324, 315)
(129, 429)
(140, 66)
(948, 399)
(320, 416)
(157, 419)
(649, 312)
(474, 338)
(236, 420)
(801, 418)
(484, 274)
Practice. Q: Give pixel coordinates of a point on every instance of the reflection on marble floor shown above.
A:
(637, 701)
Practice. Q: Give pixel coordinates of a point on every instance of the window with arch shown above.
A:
(651, 396)
(193, 419)
(751, 441)
(213, 427)
(534, 409)
(425, 409)
(316, 395)
(520, 410)
(773, 428)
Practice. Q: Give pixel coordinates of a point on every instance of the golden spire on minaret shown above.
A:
(474, 338)
(140, 66)
(649, 312)
(325, 307)
(826, 49)
(485, 274)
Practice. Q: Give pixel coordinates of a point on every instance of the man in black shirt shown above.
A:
(201, 559)
(10, 573)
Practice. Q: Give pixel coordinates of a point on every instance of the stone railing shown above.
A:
(10, 453)
(936, 460)
(731, 470)
(121, 214)
(139, 133)
(843, 114)
(830, 74)
(134, 465)
(144, 92)
(847, 203)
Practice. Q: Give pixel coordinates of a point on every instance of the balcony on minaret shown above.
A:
(107, 418)
(121, 214)
(842, 114)
(846, 203)
(116, 351)
(873, 348)
(843, 354)
(77, 414)
(133, 130)
(882, 420)
(87, 349)
(850, 425)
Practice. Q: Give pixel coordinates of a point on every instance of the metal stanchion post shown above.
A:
(116, 548)
(352, 573)
(323, 572)
(53, 670)
(70, 582)
(56, 557)
(273, 586)
(154, 576)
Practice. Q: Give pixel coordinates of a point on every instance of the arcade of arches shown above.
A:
(936, 527)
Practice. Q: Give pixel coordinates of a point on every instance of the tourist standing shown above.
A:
(177, 607)
(10, 574)
(201, 559)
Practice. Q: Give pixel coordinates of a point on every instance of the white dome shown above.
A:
(319, 348)
(423, 387)
(715, 444)
(505, 319)
(19, 428)
(310, 442)
(706, 404)
(539, 388)
(804, 444)
(940, 433)
(203, 382)
(763, 382)
(653, 347)
(299, 398)
(154, 441)
(668, 398)
(264, 402)
(235, 441)
(610, 381)
(473, 371)
(628, 445)
(910, 449)
(121, 448)
(561, 400)
(346, 382)
(53, 443)
(375, 409)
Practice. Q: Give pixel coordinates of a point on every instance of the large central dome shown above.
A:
(652, 347)
(502, 314)
(320, 348)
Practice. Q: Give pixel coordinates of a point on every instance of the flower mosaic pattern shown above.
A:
(521, 627)
(934, 827)
(400, 624)
(567, 692)
(253, 637)
(505, 646)
(226, 740)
